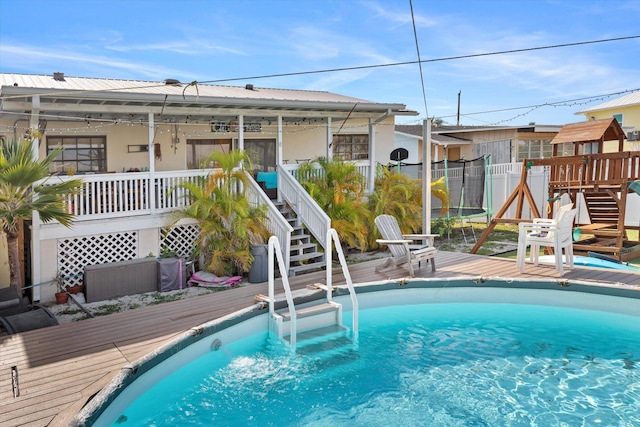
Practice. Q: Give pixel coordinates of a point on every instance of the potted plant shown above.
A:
(61, 296)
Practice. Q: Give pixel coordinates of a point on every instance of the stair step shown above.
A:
(311, 310)
(301, 246)
(306, 256)
(320, 339)
(604, 232)
(300, 237)
(302, 268)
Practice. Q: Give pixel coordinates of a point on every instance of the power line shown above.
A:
(567, 103)
(415, 37)
(421, 61)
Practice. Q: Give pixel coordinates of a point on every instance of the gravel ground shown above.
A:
(71, 312)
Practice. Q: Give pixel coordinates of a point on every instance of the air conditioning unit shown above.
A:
(633, 136)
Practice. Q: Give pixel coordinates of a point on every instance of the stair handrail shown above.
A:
(306, 209)
(274, 249)
(332, 234)
(276, 223)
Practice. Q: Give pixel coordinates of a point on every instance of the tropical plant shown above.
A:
(20, 196)
(229, 224)
(339, 191)
(399, 195)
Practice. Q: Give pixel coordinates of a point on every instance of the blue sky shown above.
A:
(215, 40)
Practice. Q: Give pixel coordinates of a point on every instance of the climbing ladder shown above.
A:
(312, 319)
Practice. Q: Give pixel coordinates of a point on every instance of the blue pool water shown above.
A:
(445, 364)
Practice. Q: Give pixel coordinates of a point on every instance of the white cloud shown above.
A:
(32, 57)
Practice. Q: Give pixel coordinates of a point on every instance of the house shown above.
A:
(626, 110)
(504, 143)
(133, 141)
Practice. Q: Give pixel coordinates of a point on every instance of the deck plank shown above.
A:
(61, 367)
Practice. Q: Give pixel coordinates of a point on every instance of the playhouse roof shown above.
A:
(591, 131)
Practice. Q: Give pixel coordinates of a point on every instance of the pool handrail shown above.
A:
(332, 234)
(274, 249)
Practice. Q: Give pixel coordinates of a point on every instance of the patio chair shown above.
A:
(17, 315)
(402, 247)
(556, 233)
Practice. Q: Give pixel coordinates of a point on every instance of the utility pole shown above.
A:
(458, 121)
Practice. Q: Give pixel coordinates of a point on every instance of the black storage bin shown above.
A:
(172, 273)
(260, 268)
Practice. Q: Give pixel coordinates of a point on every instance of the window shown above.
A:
(262, 153)
(534, 149)
(81, 154)
(351, 147)
(618, 117)
(198, 150)
(588, 148)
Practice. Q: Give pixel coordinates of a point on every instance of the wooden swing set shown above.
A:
(601, 180)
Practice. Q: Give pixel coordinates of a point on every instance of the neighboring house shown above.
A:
(410, 138)
(626, 110)
(132, 141)
(504, 143)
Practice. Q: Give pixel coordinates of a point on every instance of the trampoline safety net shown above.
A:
(457, 187)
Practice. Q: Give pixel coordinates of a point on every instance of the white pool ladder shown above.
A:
(314, 316)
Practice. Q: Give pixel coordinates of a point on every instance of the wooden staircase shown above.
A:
(305, 255)
(606, 233)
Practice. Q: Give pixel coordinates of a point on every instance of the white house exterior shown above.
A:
(132, 141)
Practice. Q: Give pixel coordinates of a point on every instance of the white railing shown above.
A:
(275, 253)
(363, 167)
(332, 235)
(307, 210)
(276, 223)
(127, 194)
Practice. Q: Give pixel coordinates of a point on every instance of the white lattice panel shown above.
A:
(76, 253)
(180, 239)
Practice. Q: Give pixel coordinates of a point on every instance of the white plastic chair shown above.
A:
(556, 233)
(401, 246)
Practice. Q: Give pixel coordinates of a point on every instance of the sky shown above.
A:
(240, 42)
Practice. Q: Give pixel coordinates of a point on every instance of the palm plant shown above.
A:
(229, 224)
(339, 191)
(399, 195)
(20, 196)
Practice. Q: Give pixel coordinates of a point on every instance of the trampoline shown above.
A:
(458, 190)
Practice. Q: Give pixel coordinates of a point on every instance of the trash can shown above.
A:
(172, 274)
(260, 268)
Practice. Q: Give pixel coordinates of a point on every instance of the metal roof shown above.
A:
(591, 131)
(415, 132)
(86, 94)
(627, 100)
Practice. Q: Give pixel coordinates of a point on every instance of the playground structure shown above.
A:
(598, 182)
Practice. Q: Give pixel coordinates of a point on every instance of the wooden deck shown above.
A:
(59, 368)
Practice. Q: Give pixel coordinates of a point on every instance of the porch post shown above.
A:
(152, 166)
(241, 132)
(35, 225)
(279, 153)
(426, 176)
(372, 156)
(329, 139)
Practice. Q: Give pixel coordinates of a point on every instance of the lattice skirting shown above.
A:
(77, 252)
(180, 239)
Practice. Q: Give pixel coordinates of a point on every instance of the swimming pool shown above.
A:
(478, 355)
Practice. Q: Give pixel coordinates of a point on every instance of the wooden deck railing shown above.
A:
(606, 170)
